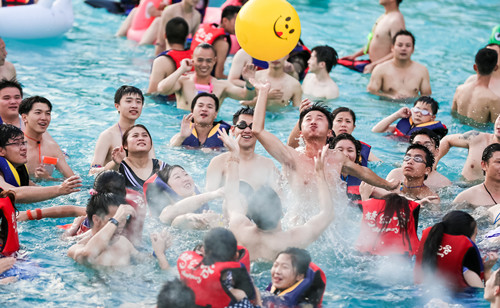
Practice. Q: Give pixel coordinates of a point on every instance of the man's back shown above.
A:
(476, 102)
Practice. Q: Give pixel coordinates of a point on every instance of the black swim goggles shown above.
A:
(242, 125)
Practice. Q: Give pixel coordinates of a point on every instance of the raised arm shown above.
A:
(246, 93)
(172, 84)
(185, 132)
(385, 125)
(162, 68)
(239, 60)
(455, 140)
(367, 175)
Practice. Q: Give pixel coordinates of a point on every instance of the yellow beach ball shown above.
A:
(267, 29)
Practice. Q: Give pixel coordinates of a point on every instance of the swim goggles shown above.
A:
(242, 125)
(421, 111)
(416, 159)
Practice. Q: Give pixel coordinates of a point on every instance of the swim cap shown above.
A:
(495, 36)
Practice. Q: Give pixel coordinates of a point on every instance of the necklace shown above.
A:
(120, 128)
(39, 147)
(489, 193)
(410, 187)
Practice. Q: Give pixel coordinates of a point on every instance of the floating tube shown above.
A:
(47, 18)
(142, 20)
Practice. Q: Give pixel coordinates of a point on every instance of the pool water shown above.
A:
(80, 72)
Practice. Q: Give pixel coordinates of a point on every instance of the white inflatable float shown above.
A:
(47, 18)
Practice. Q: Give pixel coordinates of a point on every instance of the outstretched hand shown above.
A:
(118, 155)
(319, 161)
(186, 125)
(260, 84)
(404, 112)
(186, 65)
(248, 71)
(230, 142)
(305, 104)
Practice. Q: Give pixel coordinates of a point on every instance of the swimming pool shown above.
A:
(80, 73)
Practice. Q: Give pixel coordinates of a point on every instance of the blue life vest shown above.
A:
(212, 140)
(405, 127)
(14, 176)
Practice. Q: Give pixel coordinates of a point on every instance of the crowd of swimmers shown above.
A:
(321, 165)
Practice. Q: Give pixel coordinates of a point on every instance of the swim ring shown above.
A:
(142, 20)
(47, 18)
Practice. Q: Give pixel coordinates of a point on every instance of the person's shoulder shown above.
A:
(291, 80)
(469, 194)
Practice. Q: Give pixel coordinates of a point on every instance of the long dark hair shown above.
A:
(453, 223)
(399, 206)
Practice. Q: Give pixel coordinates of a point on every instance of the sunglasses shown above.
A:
(242, 125)
(421, 111)
(416, 159)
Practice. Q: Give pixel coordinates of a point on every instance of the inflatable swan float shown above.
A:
(47, 18)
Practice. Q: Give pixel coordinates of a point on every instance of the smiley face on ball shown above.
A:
(284, 27)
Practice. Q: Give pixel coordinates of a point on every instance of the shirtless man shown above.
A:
(475, 100)
(492, 289)
(254, 169)
(430, 140)
(486, 193)
(186, 87)
(318, 82)
(258, 228)
(7, 69)
(14, 175)
(315, 126)
(185, 9)
(128, 102)
(400, 77)
(284, 88)
(476, 142)
(380, 38)
(36, 114)
(494, 84)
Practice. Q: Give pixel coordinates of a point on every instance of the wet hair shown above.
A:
(403, 32)
(344, 109)
(399, 2)
(346, 136)
(11, 83)
(326, 54)
(429, 133)
(206, 46)
(243, 110)
(27, 103)
(124, 90)
(7, 132)
(486, 61)
(220, 246)
(429, 101)
(318, 107)
(264, 208)
(99, 205)
(453, 223)
(177, 30)
(300, 259)
(399, 206)
(165, 173)
(429, 157)
(110, 181)
(203, 94)
(230, 12)
(489, 150)
(127, 132)
(175, 294)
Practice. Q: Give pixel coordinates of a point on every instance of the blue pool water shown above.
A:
(80, 72)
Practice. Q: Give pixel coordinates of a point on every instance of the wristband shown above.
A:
(28, 213)
(114, 221)
(38, 214)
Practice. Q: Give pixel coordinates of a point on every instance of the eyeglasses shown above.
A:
(421, 111)
(242, 125)
(416, 159)
(427, 144)
(19, 144)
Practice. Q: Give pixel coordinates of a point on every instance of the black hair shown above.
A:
(229, 12)
(326, 54)
(429, 133)
(177, 30)
(123, 90)
(206, 46)
(127, 132)
(300, 259)
(264, 208)
(220, 246)
(175, 294)
(110, 181)
(203, 94)
(429, 157)
(489, 150)
(399, 205)
(346, 136)
(453, 223)
(399, 2)
(429, 101)
(7, 132)
(27, 103)
(403, 32)
(165, 173)
(243, 110)
(486, 61)
(12, 83)
(344, 109)
(318, 107)
(99, 205)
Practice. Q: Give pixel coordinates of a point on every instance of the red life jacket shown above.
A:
(206, 280)
(17, 2)
(450, 259)
(11, 244)
(177, 55)
(391, 240)
(208, 33)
